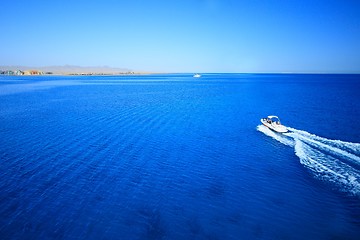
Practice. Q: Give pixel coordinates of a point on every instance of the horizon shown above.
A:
(65, 69)
(184, 37)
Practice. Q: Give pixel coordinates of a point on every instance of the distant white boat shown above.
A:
(273, 122)
(197, 75)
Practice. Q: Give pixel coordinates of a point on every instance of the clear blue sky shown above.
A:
(184, 35)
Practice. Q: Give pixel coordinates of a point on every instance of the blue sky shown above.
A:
(184, 36)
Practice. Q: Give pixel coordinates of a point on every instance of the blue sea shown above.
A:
(176, 157)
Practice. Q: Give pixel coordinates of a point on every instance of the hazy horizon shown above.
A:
(59, 69)
(187, 36)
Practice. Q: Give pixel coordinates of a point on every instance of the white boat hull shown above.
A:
(274, 126)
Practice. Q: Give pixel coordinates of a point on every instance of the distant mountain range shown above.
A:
(70, 69)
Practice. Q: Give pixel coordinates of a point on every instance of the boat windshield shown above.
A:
(274, 119)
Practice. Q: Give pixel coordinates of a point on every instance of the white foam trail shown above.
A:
(326, 147)
(276, 136)
(327, 159)
(328, 168)
(352, 147)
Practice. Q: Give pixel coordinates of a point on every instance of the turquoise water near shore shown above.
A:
(174, 157)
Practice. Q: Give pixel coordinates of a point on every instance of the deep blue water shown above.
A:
(173, 157)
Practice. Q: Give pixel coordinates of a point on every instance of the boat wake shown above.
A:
(333, 161)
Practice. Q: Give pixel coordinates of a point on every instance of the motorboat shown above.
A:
(273, 122)
(197, 75)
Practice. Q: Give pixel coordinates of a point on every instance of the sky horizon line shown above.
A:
(110, 69)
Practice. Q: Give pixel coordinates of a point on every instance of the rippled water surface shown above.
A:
(174, 157)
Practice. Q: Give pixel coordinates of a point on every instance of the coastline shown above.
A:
(69, 70)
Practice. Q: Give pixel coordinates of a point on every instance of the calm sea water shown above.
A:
(174, 157)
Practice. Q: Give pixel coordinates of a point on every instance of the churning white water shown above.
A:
(330, 160)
